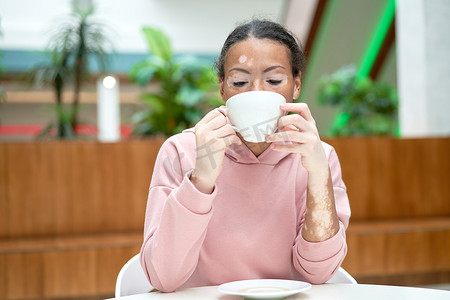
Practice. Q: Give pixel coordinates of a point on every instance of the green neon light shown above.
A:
(377, 40)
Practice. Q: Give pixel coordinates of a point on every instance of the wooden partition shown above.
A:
(399, 191)
(61, 188)
(391, 178)
(72, 213)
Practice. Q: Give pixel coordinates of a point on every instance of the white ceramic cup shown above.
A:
(254, 114)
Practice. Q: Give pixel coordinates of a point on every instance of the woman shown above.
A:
(222, 209)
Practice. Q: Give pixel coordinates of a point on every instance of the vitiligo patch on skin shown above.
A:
(321, 218)
(242, 59)
(321, 212)
(231, 80)
(283, 78)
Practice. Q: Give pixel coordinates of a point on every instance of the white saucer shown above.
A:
(264, 288)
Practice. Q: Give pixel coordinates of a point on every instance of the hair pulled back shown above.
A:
(263, 29)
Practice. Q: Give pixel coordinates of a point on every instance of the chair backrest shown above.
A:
(342, 276)
(131, 279)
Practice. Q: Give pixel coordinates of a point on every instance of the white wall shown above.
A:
(299, 17)
(196, 26)
(423, 48)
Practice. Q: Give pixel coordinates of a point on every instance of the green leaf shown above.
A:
(154, 102)
(139, 116)
(191, 65)
(83, 9)
(185, 88)
(208, 79)
(187, 68)
(158, 43)
(367, 107)
(143, 72)
(215, 100)
(193, 116)
(142, 129)
(340, 123)
(145, 75)
(189, 96)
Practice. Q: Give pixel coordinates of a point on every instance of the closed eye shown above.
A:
(274, 82)
(239, 83)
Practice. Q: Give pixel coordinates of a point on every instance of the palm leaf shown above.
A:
(158, 43)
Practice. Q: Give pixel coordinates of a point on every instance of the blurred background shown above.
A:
(90, 89)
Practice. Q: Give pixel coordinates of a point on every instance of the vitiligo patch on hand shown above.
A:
(321, 212)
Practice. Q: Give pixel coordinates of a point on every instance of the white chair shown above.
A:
(131, 279)
(342, 276)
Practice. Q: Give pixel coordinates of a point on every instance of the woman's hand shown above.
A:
(300, 129)
(212, 134)
(321, 221)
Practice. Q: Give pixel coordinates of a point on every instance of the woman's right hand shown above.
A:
(212, 134)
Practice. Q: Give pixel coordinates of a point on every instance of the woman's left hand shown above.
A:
(300, 129)
(321, 221)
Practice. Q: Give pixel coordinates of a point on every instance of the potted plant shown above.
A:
(186, 88)
(76, 40)
(365, 107)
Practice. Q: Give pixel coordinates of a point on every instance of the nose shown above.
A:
(258, 85)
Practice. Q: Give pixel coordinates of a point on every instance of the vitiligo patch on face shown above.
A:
(283, 78)
(242, 59)
(230, 81)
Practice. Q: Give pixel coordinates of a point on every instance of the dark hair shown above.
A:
(263, 29)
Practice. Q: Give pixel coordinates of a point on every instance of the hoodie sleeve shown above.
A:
(176, 219)
(317, 262)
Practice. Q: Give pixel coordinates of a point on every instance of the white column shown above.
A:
(108, 109)
(423, 53)
(299, 17)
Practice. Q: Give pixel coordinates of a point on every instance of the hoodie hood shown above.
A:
(243, 155)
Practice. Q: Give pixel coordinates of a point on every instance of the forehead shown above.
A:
(264, 52)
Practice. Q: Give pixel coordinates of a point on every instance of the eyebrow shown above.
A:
(239, 70)
(265, 70)
(273, 68)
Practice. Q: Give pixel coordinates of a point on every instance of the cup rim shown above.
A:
(254, 92)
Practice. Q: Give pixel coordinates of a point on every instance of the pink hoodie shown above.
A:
(248, 228)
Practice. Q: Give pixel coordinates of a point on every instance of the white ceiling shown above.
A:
(196, 26)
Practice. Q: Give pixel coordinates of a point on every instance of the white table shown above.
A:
(316, 292)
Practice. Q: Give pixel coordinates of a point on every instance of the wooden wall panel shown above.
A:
(72, 213)
(109, 262)
(356, 172)
(398, 247)
(87, 187)
(64, 267)
(62, 274)
(22, 276)
(396, 178)
(4, 183)
(29, 212)
(74, 187)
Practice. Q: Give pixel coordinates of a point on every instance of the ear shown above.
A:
(221, 86)
(297, 85)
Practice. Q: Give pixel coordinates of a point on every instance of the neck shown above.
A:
(256, 148)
